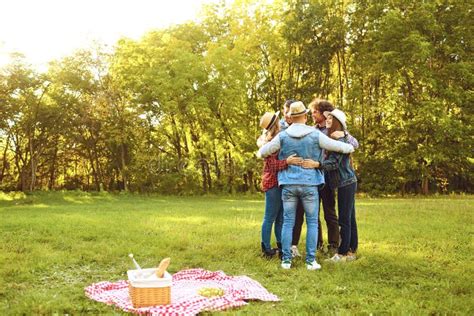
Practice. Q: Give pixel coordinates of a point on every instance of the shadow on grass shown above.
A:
(54, 198)
(80, 197)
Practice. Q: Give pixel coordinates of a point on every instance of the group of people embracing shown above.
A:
(304, 165)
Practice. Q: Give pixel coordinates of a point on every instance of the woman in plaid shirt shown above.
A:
(273, 203)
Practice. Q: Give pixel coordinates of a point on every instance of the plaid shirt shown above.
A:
(270, 171)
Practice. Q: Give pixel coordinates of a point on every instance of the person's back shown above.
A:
(303, 141)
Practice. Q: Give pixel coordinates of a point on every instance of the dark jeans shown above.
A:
(327, 195)
(299, 219)
(347, 218)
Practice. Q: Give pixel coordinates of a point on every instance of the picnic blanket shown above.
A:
(185, 299)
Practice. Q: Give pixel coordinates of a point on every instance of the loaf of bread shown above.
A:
(162, 267)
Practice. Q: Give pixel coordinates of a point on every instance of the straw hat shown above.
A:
(339, 115)
(268, 120)
(298, 109)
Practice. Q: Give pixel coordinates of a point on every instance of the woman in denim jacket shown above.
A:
(341, 175)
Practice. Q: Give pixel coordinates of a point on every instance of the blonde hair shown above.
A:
(273, 131)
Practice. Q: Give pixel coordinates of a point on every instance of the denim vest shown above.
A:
(339, 170)
(304, 147)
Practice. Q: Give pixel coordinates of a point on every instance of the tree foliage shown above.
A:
(177, 111)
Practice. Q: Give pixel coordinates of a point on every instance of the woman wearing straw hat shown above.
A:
(273, 203)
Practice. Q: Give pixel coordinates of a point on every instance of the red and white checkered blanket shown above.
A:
(185, 299)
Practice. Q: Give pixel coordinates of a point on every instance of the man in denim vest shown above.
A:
(298, 182)
(285, 122)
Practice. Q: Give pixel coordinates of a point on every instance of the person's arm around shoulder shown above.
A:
(332, 163)
(276, 165)
(334, 145)
(269, 148)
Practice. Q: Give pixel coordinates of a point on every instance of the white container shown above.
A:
(146, 278)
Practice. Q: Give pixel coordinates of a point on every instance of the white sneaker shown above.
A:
(294, 251)
(351, 256)
(286, 264)
(313, 265)
(337, 258)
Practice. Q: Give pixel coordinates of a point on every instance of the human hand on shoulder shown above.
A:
(338, 134)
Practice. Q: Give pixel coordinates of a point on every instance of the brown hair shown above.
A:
(337, 126)
(288, 102)
(321, 105)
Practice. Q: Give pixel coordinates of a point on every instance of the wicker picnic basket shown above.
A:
(149, 291)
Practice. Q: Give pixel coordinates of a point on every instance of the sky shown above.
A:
(44, 30)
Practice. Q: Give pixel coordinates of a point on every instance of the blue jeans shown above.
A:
(347, 218)
(273, 214)
(309, 196)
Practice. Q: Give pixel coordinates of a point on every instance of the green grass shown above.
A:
(416, 253)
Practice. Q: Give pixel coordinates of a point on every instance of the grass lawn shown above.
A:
(416, 254)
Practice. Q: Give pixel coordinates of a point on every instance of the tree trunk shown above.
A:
(230, 172)
(31, 136)
(409, 86)
(246, 182)
(4, 158)
(176, 139)
(341, 82)
(21, 165)
(362, 101)
(403, 188)
(100, 178)
(203, 172)
(94, 171)
(216, 163)
(123, 168)
(344, 67)
(208, 175)
(52, 169)
(425, 185)
(32, 163)
(250, 181)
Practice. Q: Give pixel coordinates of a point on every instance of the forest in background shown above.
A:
(177, 111)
